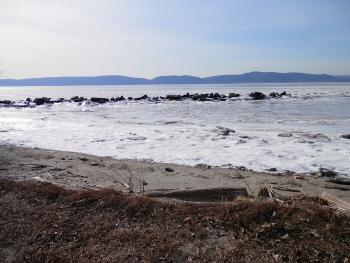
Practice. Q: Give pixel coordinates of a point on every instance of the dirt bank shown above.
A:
(41, 222)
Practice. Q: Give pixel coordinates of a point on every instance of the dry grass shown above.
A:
(45, 223)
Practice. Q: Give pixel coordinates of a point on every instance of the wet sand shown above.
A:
(81, 171)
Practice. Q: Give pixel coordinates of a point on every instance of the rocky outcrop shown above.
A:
(170, 97)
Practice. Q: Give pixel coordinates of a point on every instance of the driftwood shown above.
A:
(269, 192)
(287, 189)
(335, 202)
(202, 195)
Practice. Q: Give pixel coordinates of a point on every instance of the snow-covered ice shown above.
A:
(299, 133)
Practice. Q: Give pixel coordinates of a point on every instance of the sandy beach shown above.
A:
(201, 183)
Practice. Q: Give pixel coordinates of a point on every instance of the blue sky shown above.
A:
(153, 37)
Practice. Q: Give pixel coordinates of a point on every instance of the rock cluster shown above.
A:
(171, 97)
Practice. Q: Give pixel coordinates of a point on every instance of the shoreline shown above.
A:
(199, 183)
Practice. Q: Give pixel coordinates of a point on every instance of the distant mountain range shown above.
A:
(251, 77)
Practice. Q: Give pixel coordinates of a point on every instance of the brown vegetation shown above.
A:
(45, 223)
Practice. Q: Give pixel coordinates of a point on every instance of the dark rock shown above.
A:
(170, 122)
(41, 101)
(214, 96)
(6, 102)
(142, 98)
(278, 95)
(203, 97)
(257, 95)
(168, 169)
(272, 169)
(117, 98)
(77, 99)
(173, 97)
(21, 105)
(130, 98)
(285, 134)
(324, 172)
(28, 100)
(233, 95)
(275, 95)
(345, 136)
(194, 96)
(186, 96)
(318, 137)
(225, 131)
(203, 166)
(217, 96)
(340, 180)
(99, 100)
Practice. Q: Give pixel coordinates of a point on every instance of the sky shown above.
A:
(148, 38)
